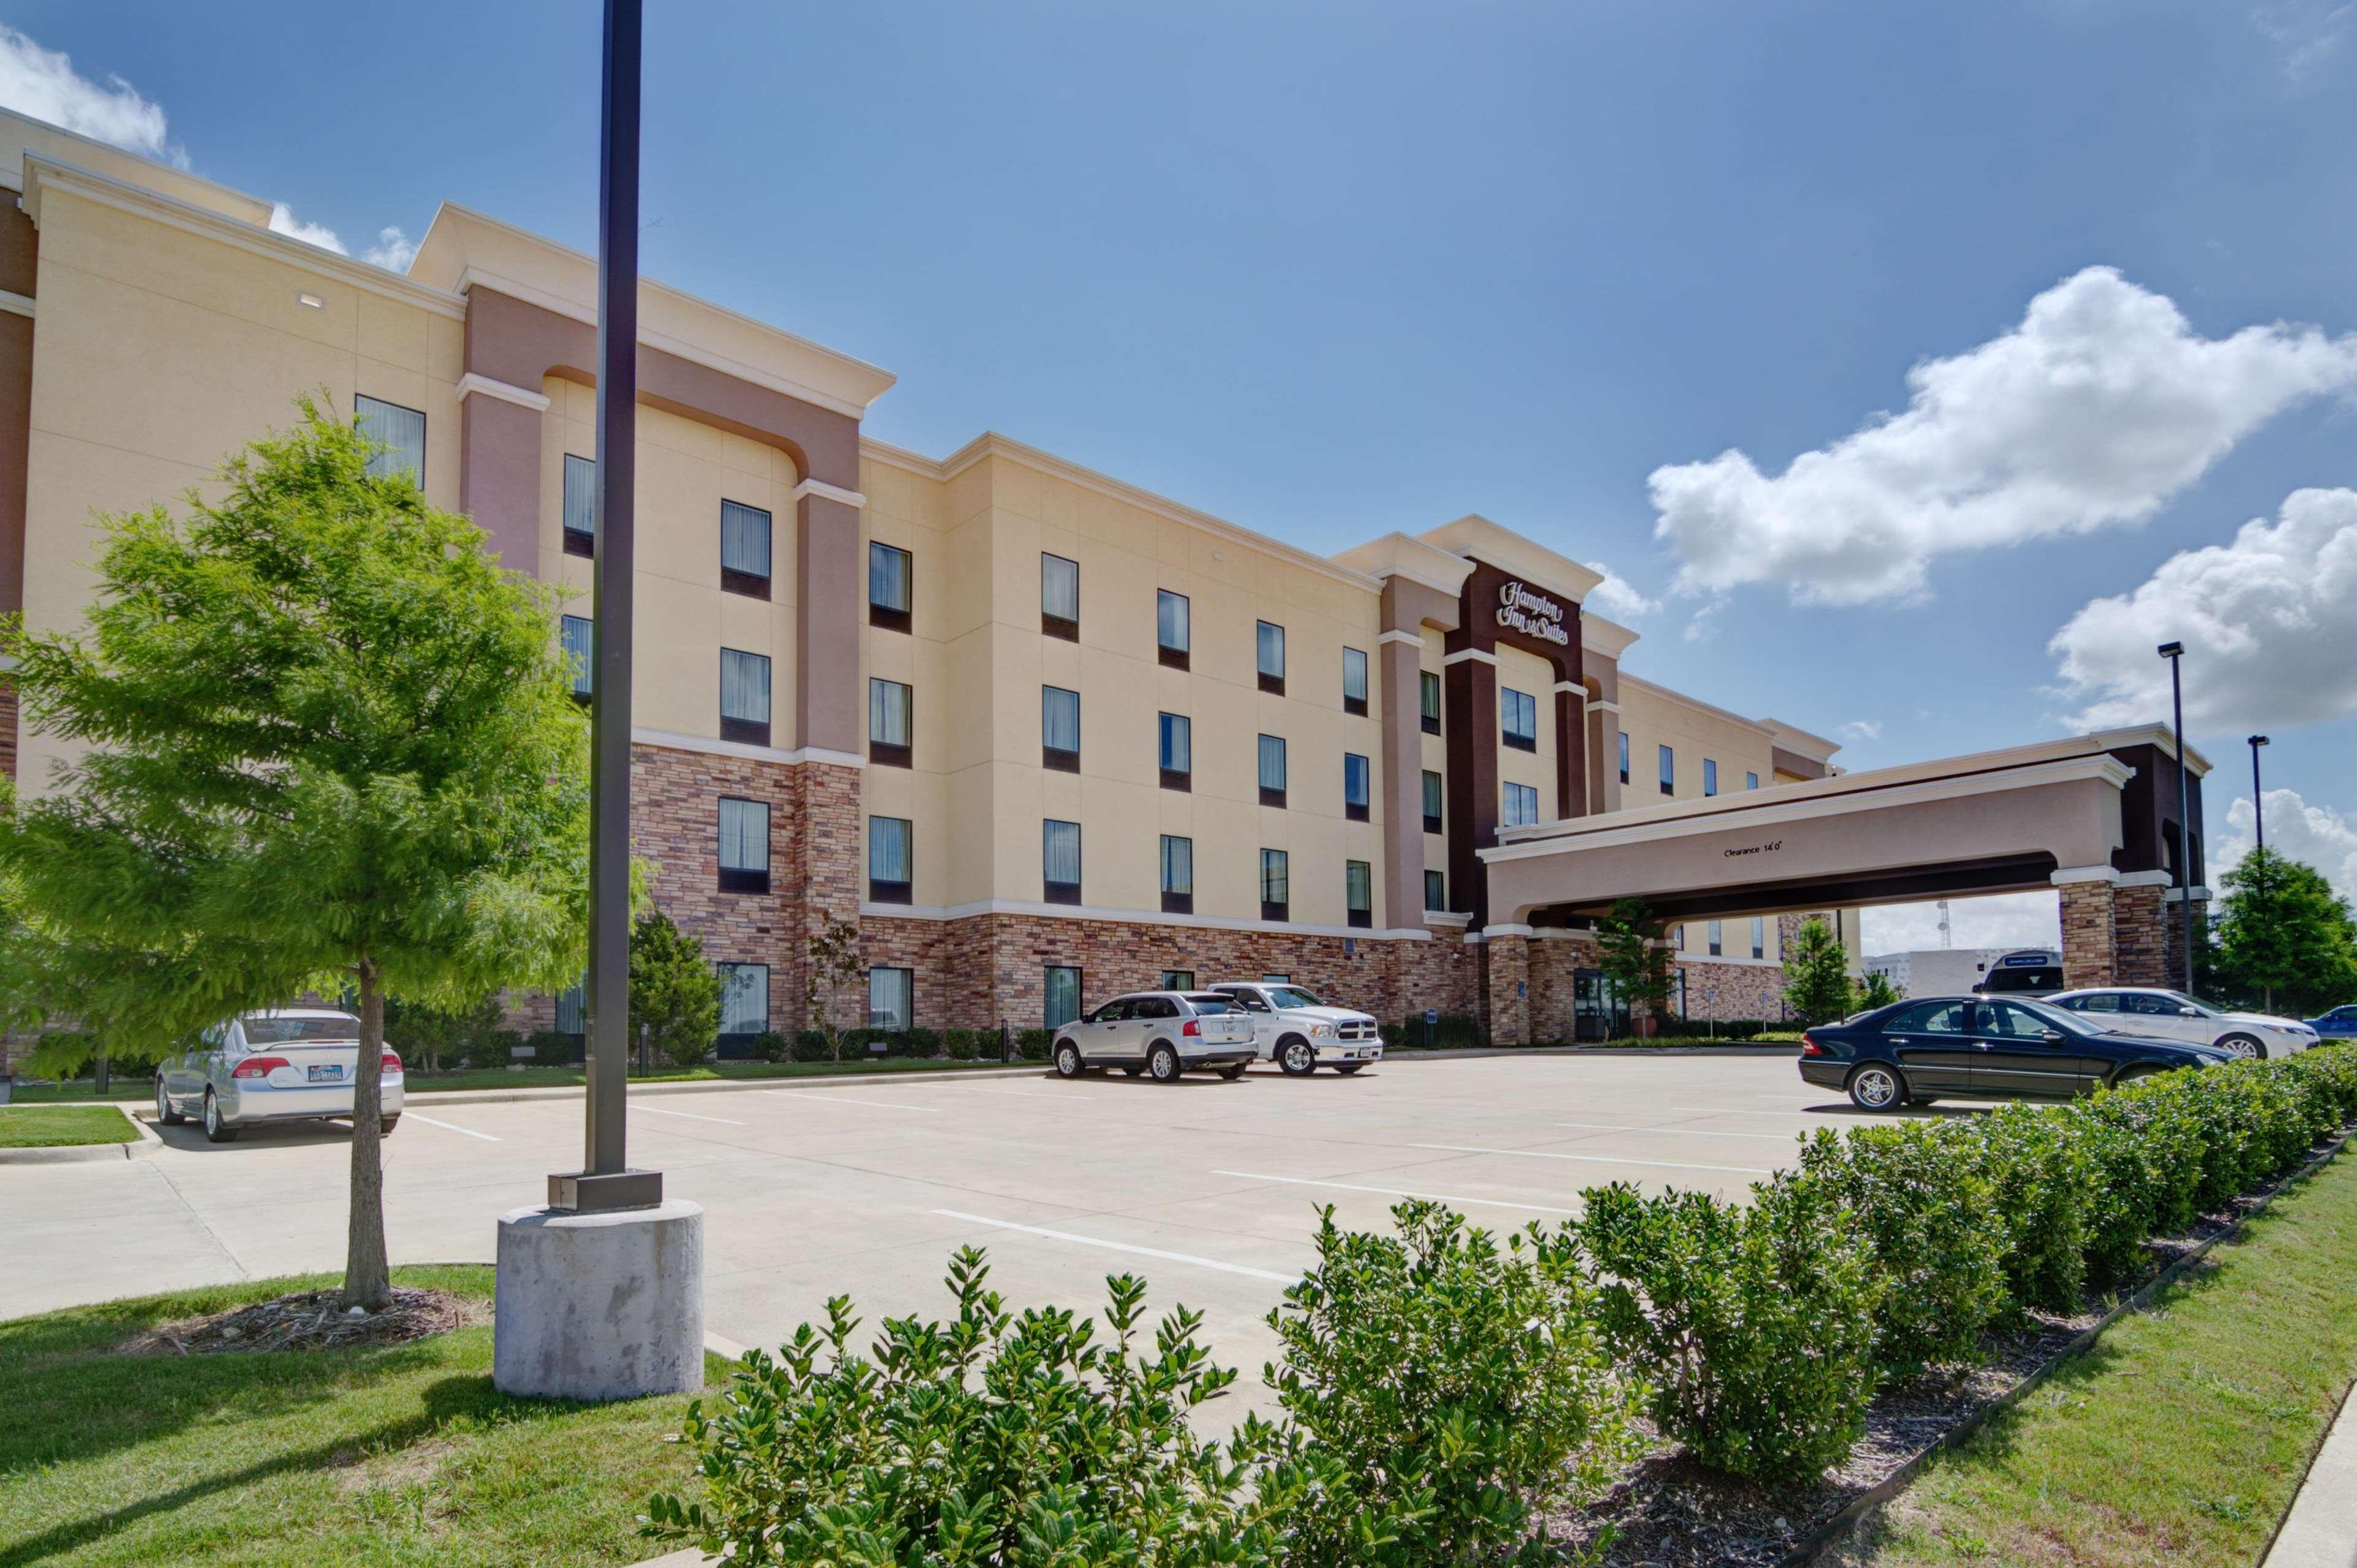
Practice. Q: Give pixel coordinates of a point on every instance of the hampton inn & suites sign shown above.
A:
(1525, 610)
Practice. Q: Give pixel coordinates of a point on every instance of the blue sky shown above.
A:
(1333, 270)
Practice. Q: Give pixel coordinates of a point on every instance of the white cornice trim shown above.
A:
(505, 392)
(2071, 875)
(1603, 706)
(2177, 895)
(1481, 655)
(2146, 879)
(825, 491)
(1443, 917)
(1505, 930)
(1132, 917)
(16, 303)
(1651, 690)
(1407, 636)
(1563, 687)
(673, 740)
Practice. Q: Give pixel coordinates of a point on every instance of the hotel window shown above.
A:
(743, 998)
(744, 549)
(1678, 938)
(1354, 787)
(1276, 884)
(1669, 771)
(1759, 937)
(891, 998)
(1624, 756)
(1270, 656)
(1751, 782)
(892, 576)
(1059, 729)
(1354, 681)
(1710, 777)
(1059, 861)
(398, 431)
(891, 858)
(1432, 807)
(1061, 994)
(580, 506)
(1059, 597)
(1359, 893)
(744, 697)
(1518, 717)
(744, 845)
(573, 1010)
(1436, 891)
(891, 722)
(1428, 694)
(1272, 770)
(1178, 980)
(1173, 629)
(578, 636)
(1714, 935)
(1521, 806)
(1178, 875)
(1178, 751)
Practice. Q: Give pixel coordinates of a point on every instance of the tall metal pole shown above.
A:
(2175, 653)
(2258, 796)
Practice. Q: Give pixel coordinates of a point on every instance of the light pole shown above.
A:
(2175, 653)
(2258, 800)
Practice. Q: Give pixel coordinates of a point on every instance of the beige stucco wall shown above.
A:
(1654, 718)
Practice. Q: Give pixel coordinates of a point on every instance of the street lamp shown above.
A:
(2258, 800)
(2175, 653)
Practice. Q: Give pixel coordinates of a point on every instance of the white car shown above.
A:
(1300, 1033)
(287, 1064)
(1161, 1034)
(2173, 1015)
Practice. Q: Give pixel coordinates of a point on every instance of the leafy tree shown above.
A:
(675, 994)
(2283, 935)
(425, 1033)
(836, 965)
(1817, 974)
(1635, 957)
(1876, 991)
(330, 744)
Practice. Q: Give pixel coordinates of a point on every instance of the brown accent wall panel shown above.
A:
(19, 264)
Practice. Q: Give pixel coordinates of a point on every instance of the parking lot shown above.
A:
(1208, 1188)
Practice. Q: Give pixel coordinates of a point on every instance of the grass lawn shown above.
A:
(60, 1126)
(2181, 1437)
(400, 1455)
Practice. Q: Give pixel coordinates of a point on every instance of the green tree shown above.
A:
(1876, 991)
(1816, 973)
(834, 966)
(2283, 936)
(675, 994)
(425, 1033)
(328, 743)
(1635, 958)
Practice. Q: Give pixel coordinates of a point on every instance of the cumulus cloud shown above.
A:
(2093, 410)
(2317, 836)
(393, 249)
(2307, 34)
(284, 221)
(2000, 920)
(1616, 599)
(1863, 729)
(2268, 620)
(44, 84)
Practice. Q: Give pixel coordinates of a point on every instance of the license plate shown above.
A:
(326, 1075)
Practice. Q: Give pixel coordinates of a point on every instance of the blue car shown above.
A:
(1981, 1047)
(2341, 1024)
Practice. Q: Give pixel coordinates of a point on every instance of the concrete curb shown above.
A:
(143, 1148)
(2321, 1531)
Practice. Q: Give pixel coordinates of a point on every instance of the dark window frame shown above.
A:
(735, 580)
(1710, 777)
(1359, 918)
(1357, 811)
(1429, 699)
(890, 617)
(1169, 657)
(1174, 901)
(1276, 908)
(882, 890)
(742, 731)
(1179, 779)
(1059, 759)
(582, 542)
(1272, 684)
(1669, 763)
(1274, 795)
(885, 753)
(1060, 892)
(1435, 822)
(1357, 705)
(1431, 878)
(873, 971)
(585, 684)
(1509, 703)
(375, 459)
(736, 879)
(1624, 756)
(1068, 627)
(740, 1034)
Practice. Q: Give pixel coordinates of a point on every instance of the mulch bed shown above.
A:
(312, 1320)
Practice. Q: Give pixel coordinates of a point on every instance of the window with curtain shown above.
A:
(891, 577)
(1520, 806)
(1751, 782)
(891, 998)
(399, 434)
(1355, 786)
(1428, 695)
(890, 718)
(1436, 891)
(1714, 935)
(1177, 750)
(1759, 936)
(1276, 884)
(743, 998)
(1060, 597)
(1669, 771)
(1270, 656)
(744, 845)
(580, 506)
(578, 636)
(1518, 718)
(1710, 777)
(744, 697)
(573, 1009)
(1354, 681)
(1059, 729)
(1062, 993)
(744, 549)
(1359, 892)
(1624, 756)
(1432, 803)
(1178, 980)
(1178, 875)
(891, 856)
(1059, 860)
(1272, 770)
(1173, 633)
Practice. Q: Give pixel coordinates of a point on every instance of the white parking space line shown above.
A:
(1398, 1192)
(451, 1127)
(1736, 1111)
(847, 1100)
(1595, 1159)
(1121, 1247)
(1680, 1131)
(659, 1111)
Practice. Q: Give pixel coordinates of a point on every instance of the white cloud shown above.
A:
(2268, 620)
(1616, 598)
(2316, 835)
(1863, 729)
(2095, 408)
(2306, 33)
(43, 84)
(284, 221)
(393, 249)
(2000, 920)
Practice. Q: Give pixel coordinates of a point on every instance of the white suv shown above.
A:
(1292, 1028)
(1161, 1034)
(2173, 1015)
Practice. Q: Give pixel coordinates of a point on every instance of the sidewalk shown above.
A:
(2320, 1532)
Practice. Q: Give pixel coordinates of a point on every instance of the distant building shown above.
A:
(1937, 971)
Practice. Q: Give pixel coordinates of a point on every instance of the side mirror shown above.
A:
(2052, 1037)
(2188, 1012)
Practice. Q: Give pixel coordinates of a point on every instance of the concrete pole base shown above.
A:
(599, 1306)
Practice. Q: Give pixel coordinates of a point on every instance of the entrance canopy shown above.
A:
(2001, 822)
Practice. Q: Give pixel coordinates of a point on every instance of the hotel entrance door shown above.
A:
(1597, 1012)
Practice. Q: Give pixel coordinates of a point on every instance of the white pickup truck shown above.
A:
(1300, 1033)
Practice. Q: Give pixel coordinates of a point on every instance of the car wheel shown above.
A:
(1068, 1059)
(2244, 1045)
(1294, 1055)
(1163, 1063)
(1233, 1073)
(1347, 1069)
(1877, 1088)
(216, 1130)
(164, 1112)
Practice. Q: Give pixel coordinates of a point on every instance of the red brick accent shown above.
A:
(2090, 933)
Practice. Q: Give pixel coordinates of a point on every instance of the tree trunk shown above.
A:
(103, 1075)
(367, 1279)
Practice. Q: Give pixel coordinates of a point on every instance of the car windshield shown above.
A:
(2060, 1018)
(1291, 996)
(286, 1031)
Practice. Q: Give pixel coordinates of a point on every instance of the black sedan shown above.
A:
(1978, 1048)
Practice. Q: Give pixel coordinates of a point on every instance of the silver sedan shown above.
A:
(287, 1064)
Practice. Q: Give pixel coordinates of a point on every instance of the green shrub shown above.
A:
(987, 1439)
(1031, 1045)
(2144, 1147)
(1918, 1198)
(963, 1045)
(494, 1048)
(2042, 1182)
(1453, 1031)
(549, 1047)
(770, 1045)
(916, 1042)
(809, 1046)
(1446, 1394)
(1754, 1324)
